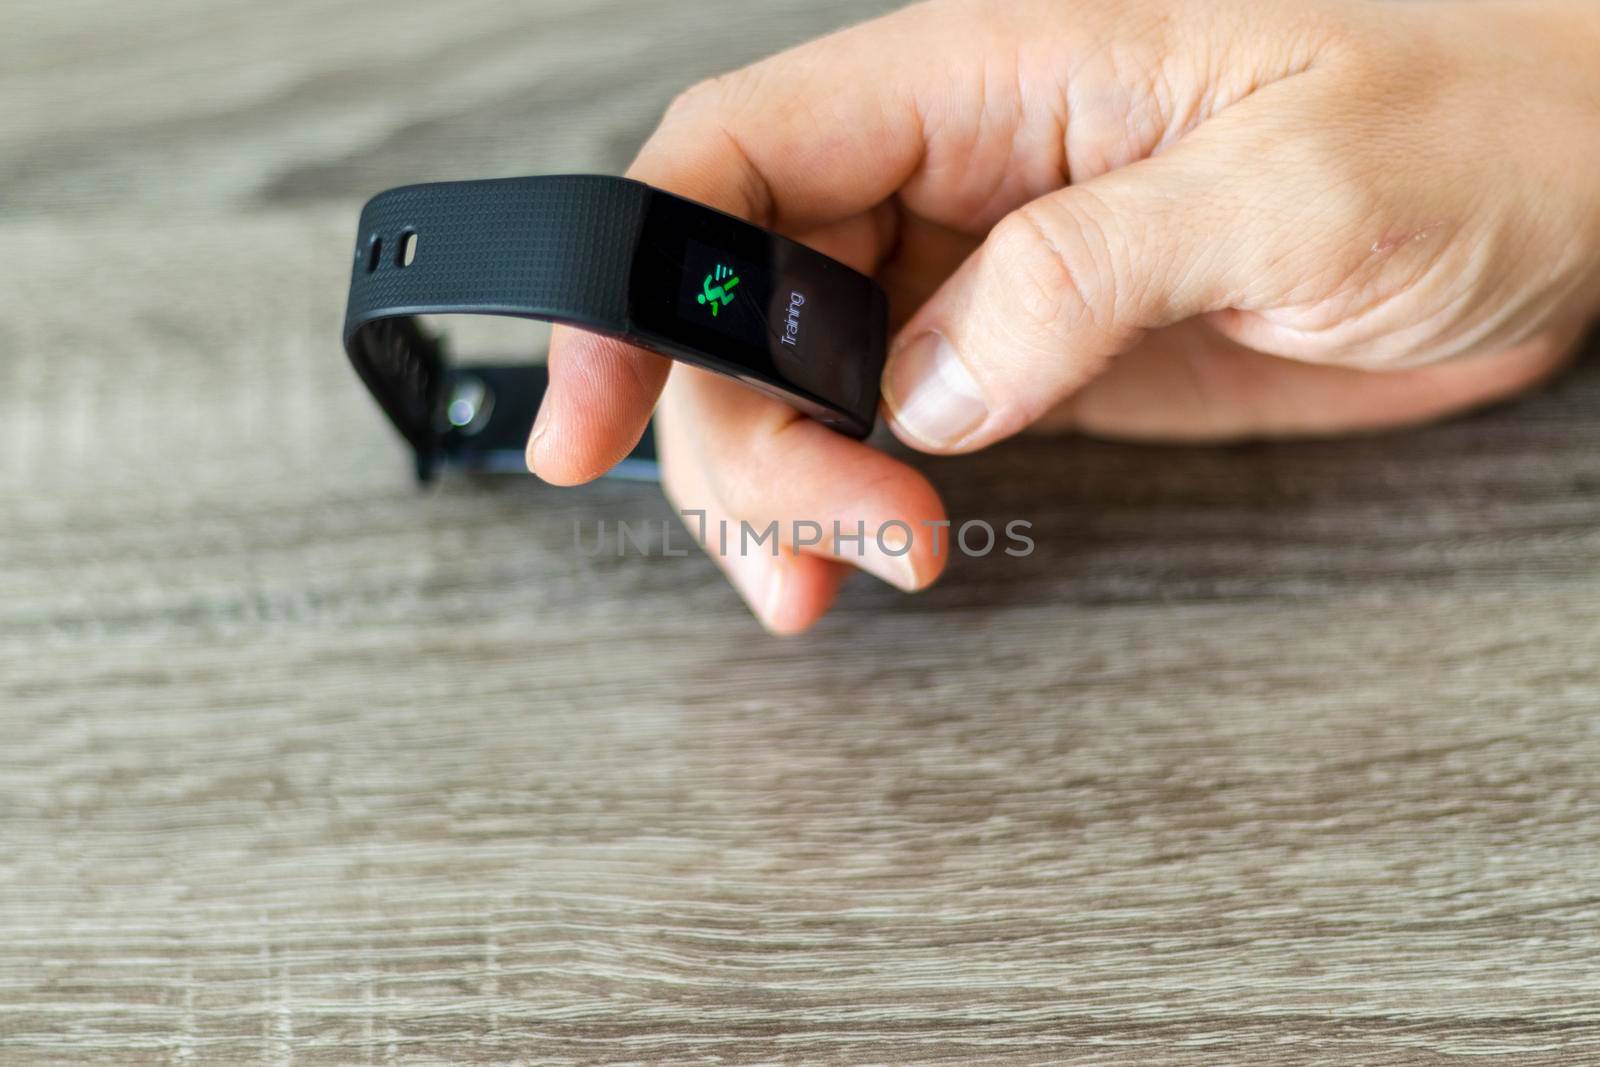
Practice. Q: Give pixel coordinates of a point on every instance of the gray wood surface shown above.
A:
(1273, 754)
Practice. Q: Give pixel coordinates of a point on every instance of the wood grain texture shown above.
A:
(1275, 754)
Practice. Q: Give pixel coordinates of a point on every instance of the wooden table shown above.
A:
(1271, 754)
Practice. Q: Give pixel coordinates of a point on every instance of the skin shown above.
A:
(1162, 220)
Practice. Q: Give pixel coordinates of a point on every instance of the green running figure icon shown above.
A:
(721, 295)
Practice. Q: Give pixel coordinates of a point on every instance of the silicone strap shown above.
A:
(556, 247)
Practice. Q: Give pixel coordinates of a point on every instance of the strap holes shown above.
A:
(406, 254)
(374, 252)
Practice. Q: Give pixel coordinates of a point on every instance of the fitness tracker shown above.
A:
(606, 254)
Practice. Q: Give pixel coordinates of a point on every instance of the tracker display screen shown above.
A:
(726, 294)
(715, 290)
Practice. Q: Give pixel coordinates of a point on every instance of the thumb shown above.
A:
(1068, 281)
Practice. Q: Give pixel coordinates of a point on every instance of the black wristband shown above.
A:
(605, 254)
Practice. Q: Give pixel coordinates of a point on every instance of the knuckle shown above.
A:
(692, 101)
(715, 99)
(1047, 271)
(754, 487)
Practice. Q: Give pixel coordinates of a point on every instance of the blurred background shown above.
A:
(1285, 750)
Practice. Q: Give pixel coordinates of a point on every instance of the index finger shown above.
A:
(805, 139)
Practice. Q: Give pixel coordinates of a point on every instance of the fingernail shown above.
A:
(534, 434)
(930, 394)
(759, 580)
(880, 561)
(773, 600)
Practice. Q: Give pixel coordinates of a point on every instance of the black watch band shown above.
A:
(606, 254)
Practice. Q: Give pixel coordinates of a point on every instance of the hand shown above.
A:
(1190, 220)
